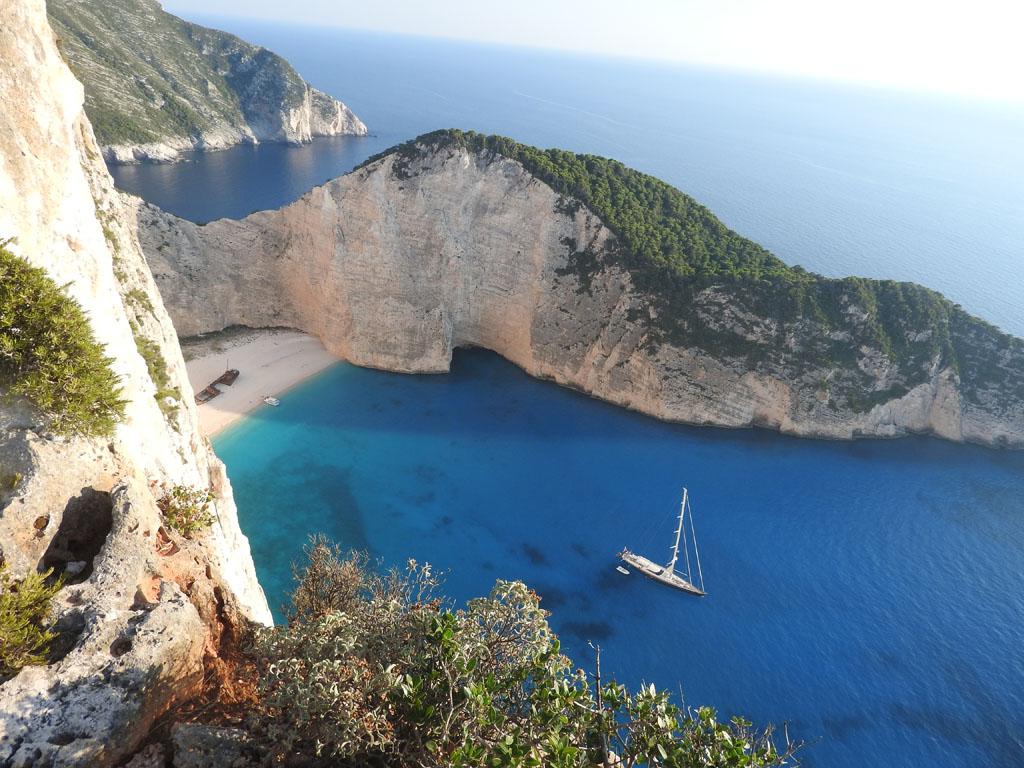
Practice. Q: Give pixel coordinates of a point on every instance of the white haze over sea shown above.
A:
(841, 180)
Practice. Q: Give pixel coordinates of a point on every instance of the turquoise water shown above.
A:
(870, 594)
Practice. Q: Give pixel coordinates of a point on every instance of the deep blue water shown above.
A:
(843, 181)
(240, 180)
(870, 594)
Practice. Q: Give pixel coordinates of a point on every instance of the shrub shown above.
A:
(114, 128)
(48, 353)
(139, 299)
(157, 368)
(25, 628)
(379, 669)
(187, 509)
(329, 583)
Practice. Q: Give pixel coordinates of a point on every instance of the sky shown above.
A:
(972, 48)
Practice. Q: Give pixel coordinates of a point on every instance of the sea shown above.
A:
(867, 596)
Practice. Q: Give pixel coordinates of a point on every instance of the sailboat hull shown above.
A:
(659, 573)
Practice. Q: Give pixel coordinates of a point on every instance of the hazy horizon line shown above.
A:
(863, 85)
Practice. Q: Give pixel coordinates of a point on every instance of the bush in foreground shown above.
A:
(48, 353)
(378, 669)
(25, 629)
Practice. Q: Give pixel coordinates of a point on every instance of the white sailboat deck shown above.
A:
(658, 572)
(667, 574)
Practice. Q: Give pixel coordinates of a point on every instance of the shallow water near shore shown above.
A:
(871, 594)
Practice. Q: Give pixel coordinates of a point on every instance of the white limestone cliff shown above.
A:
(318, 115)
(395, 270)
(139, 624)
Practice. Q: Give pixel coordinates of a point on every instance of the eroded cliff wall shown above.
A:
(144, 611)
(399, 262)
(157, 86)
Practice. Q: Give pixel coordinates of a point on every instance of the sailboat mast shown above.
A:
(696, 552)
(679, 532)
(686, 546)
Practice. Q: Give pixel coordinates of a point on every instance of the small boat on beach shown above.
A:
(207, 394)
(668, 574)
(270, 400)
(229, 377)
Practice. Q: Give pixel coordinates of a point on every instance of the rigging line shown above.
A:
(696, 552)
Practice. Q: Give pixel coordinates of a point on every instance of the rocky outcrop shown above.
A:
(422, 251)
(157, 86)
(144, 612)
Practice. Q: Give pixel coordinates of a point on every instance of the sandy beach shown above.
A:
(268, 361)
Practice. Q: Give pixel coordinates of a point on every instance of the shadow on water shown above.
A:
(580, 550)
(589, 631)
(610, 580)
(475, 371)
(298, 499)
(534, 554)
(551, 597)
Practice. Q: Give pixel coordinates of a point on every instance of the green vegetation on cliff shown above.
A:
(48, 353)
(657, 224)
(150, 76)
(711, 288)
(26, 631)
(381, 670)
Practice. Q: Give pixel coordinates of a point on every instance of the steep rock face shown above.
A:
(401, 261)
(144, 610)
(156, 86)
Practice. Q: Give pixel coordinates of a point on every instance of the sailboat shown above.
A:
(668, 574)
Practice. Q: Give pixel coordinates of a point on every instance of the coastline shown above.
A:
(269, 362)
